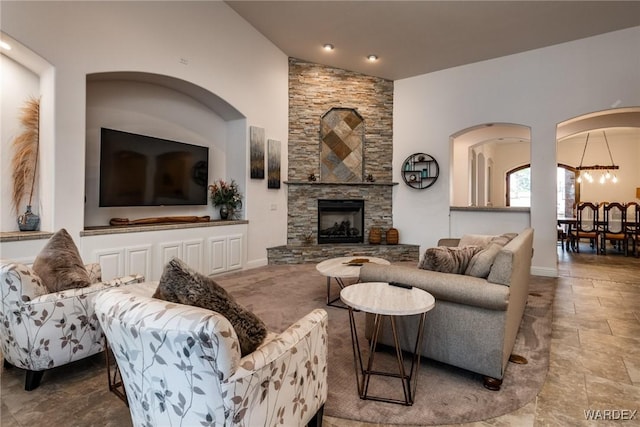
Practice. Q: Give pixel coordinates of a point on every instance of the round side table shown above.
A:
(384, 299)
(342, 268)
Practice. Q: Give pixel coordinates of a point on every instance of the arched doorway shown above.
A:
(612, 135)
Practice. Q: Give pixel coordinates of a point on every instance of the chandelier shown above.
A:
(606, 174)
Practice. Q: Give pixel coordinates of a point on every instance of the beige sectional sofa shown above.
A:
(475, 321)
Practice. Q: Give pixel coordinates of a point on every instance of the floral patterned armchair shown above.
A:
(181, 365)
(41, 330)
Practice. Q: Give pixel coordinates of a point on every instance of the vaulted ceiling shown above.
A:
(418, 37)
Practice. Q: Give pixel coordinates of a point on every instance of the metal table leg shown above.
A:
(116, 386)
(332, 301)
(363, 376)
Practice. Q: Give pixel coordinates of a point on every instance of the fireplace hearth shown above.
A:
(340, 221)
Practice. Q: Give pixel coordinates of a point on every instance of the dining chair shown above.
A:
(586, 226)
(633, 227)
(614, 227)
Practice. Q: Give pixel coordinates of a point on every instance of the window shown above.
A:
(519, 186)
(567, 190)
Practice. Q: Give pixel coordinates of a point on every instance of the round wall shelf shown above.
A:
(420, 171)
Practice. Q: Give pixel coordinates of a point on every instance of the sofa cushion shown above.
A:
(448, 259)
(181, 284)
(503, 239)
(59, 264)
(481, 240)
(480, 264)
(458, 289)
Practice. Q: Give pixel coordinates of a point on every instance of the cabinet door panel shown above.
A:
(217, 255)
(193, 253)
(234, 251)
(138, 260)
(111, 262)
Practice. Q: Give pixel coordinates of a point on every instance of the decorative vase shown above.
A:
(392, 236)
(375, 235)
(29, 221)
(224, 212)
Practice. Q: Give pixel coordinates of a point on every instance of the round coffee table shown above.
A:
(342, 268)
(384, 299)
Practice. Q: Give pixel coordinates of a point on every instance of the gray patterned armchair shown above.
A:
(41, 330)
(181, 365)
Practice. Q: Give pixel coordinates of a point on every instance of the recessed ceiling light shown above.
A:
(5, 45)
(328, 47)
(372, 58)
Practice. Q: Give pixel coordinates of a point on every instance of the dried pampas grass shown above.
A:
(25, 158)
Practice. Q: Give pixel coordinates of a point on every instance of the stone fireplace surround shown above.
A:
(302, 222)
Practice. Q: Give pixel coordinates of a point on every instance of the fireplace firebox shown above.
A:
(340, 221)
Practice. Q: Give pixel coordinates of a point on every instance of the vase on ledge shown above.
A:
(29, 221)
(224, 212)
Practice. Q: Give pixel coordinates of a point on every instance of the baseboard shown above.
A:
(544, 271)
(256, 263)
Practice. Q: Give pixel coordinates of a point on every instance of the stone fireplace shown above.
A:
(340, 221)
(364, 109)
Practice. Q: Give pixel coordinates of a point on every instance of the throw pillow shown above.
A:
(503, 239)
(448, 259)
(181, 284)
(59, 264)
(481, 263)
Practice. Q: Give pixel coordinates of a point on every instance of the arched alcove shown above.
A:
(481, 156)
(162, 107)
(26, 74)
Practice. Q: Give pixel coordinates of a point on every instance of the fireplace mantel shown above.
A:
(383, 183)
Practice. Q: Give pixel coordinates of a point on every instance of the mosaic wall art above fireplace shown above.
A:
(341, 146)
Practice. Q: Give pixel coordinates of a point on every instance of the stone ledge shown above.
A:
(15, 236)
(121, 229)
(298, 254)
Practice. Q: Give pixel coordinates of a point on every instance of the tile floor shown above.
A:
(594, 362)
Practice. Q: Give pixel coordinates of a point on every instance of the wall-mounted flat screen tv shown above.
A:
(139, 170)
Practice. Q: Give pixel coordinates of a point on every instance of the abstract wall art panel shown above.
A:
(273, 163)
(256, 152)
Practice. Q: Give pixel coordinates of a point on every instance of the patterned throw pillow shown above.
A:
(447, 259)
(59, 264)
(181, 284)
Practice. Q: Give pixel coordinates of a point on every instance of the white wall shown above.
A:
(539, 88)
(205, 43)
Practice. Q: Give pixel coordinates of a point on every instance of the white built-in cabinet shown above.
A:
(209, 250)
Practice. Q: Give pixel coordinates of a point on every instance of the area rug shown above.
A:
(282, 294)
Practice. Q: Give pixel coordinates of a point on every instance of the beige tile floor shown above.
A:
(594, 361)
(595, 349)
